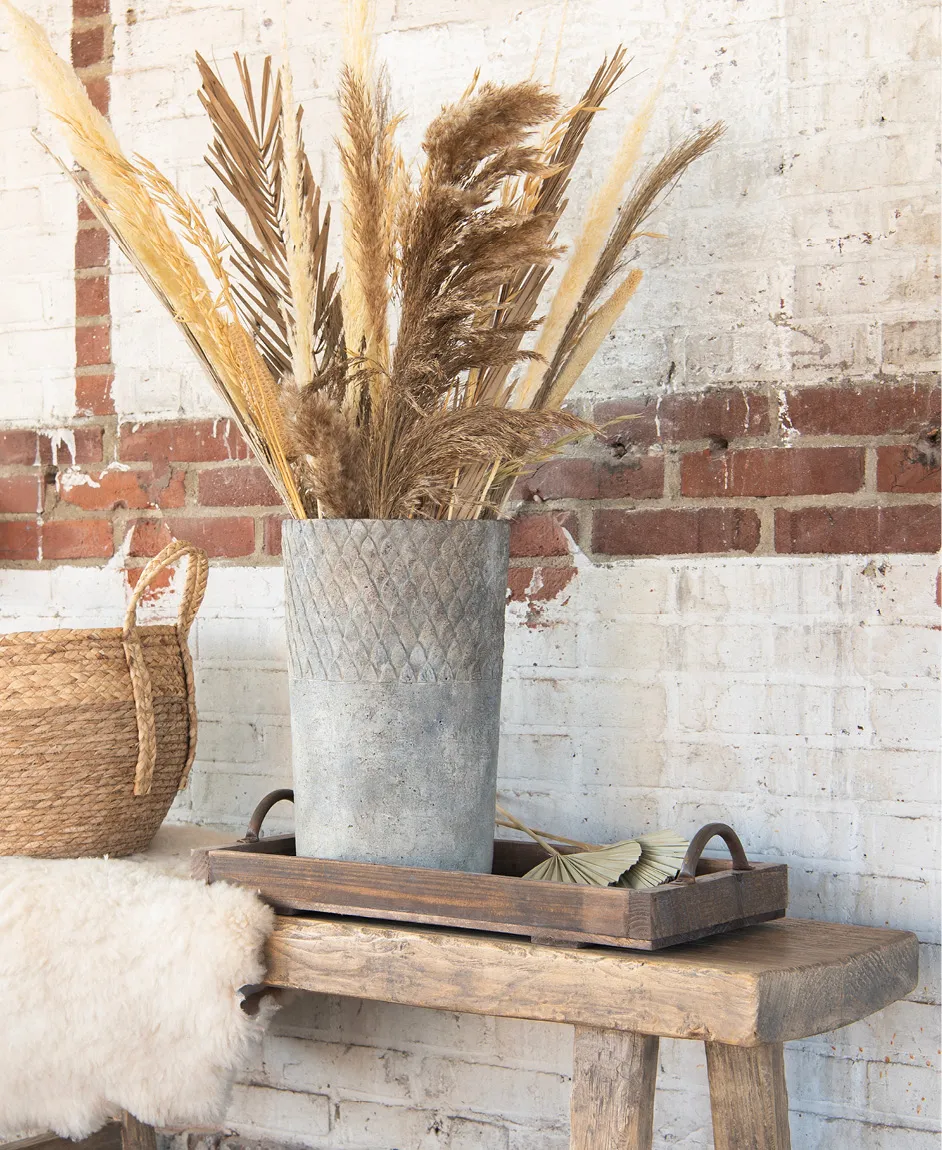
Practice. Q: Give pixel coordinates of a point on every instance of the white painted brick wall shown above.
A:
(795, 698)
(793, 246)
(37, 235)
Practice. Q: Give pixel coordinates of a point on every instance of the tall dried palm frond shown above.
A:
(598, 223)
(247, 156)
(559, 377)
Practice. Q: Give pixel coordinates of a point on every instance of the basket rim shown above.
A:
(76, 633)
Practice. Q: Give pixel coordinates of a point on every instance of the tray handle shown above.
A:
(258, 815)
(688, 870)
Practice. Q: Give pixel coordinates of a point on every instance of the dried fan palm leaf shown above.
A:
(656, 859)
(662, 853)
(601, 867)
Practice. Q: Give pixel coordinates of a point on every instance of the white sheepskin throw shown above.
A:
(119, 991)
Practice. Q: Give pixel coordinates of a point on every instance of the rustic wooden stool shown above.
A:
(742, 994)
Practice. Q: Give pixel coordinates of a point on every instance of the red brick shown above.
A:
(533, 535)
(135, 490)
(19, 540)
(93, 394)
(900, 468)
(156, 588)
(84, 211)
(719, 413)
(227, 538)
(675, 532)
(237, 486)
(193, 441)
(91, 296)
(85, 8)
(99, 92)
(91, 248)
(726, 413)
(88, 47)
(627, 421)
(538, 584)
(857, 530)
(19, 447)
(20, 494)
(273, 533)
(773, 471)
(93, 345)
(641, 478)
(874, 410)
(88, 446)
(148, 536)
(77, 539)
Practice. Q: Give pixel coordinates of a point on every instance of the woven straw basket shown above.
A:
(97, 728)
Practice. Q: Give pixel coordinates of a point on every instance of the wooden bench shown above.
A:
(743, 994)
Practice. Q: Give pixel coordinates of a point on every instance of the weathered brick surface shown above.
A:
(630, 478)
(237, 487)
(19, 541)
(813, 530)
(202, 441)
(19, 493)
(725, 413)
(538, 535)
(91, 296)
(874, 410)
(93, 345)
(77, 539)
(674, 532)
(779, 471)
(18, 447)
(93, 393)
(91, 248)
(113, 489)
(88, 46)
(220, 537)
(907, 469)
(272, 531)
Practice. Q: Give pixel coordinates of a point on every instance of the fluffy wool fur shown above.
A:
(119, 988)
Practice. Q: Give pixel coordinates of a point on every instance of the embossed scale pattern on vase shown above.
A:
(392, 601)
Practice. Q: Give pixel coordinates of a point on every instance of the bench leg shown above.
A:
(613, 1077)
(748, 1097)
(136, 1135)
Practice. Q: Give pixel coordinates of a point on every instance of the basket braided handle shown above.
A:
(196, 572)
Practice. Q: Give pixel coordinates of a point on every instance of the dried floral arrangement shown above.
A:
(420, 379)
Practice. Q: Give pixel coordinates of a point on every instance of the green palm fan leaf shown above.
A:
(662, 853)
(600, 867)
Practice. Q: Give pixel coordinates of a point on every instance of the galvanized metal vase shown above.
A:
(395, 652)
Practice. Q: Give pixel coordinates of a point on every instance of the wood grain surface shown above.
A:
(720, 900)
(748, 1097)
(613, 1079)
(771, 983)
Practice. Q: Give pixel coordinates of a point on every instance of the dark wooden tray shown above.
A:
(714, 898)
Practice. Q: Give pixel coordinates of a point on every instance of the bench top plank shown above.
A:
(770, 983)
